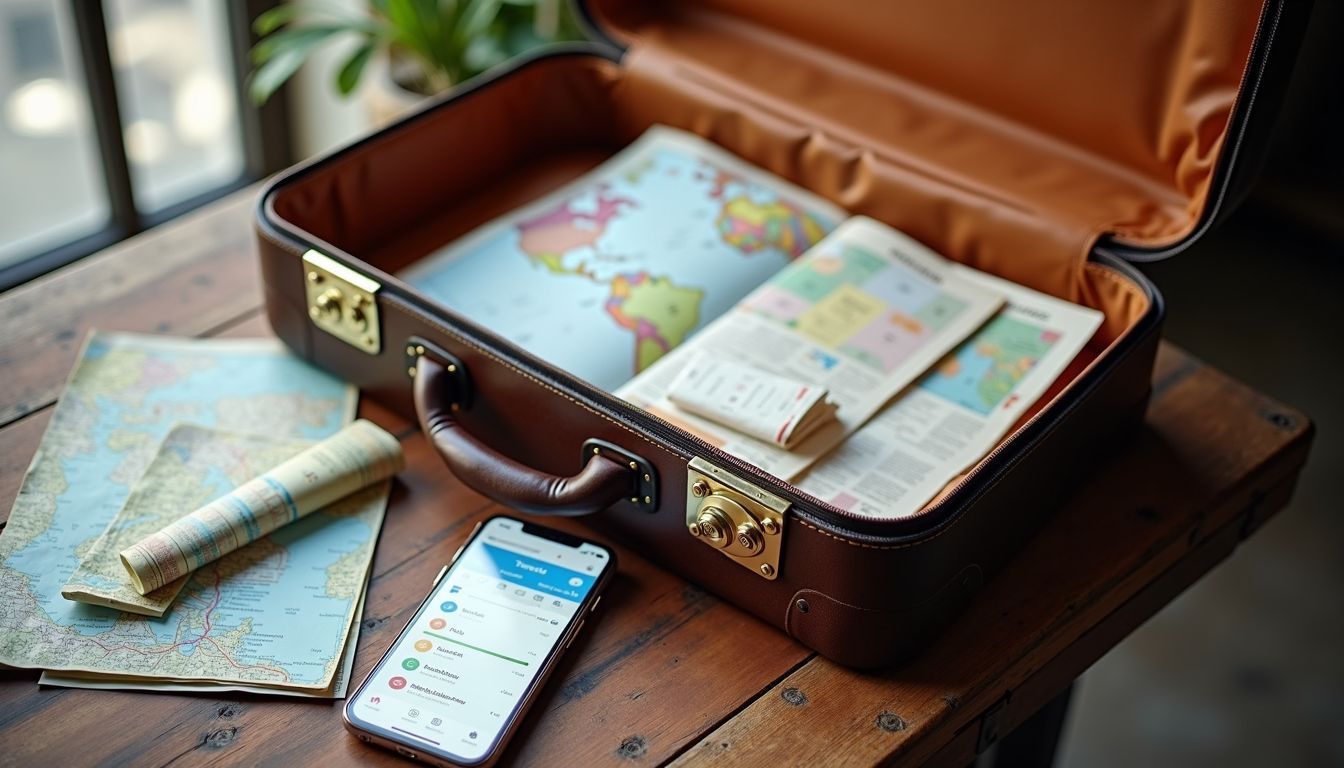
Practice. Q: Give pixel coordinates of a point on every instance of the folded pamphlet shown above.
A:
(758, 404)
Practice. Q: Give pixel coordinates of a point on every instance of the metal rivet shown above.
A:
(647, 479)
(313, 313)
(770, 526)
(694, 528)
(452, 368)
(700, 489)
(634, 499)
(410, 350)
(314, 277)
(411, 372)
(633, 465)
(368, 341)
(648, 499)
(803, 607)
(419, 350)
(455, 407)
(767, 569)
(596, 451)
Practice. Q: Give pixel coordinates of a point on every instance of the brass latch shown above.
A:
(342, 302)
(742, 521)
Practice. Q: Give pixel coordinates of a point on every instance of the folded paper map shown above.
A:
(192, 466)
(862, 314)
(959, 411)
(340, 682)
(352, 459)
(295, 591)
(631, 258)
(124, 395)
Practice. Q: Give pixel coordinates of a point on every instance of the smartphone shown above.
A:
(460, 677)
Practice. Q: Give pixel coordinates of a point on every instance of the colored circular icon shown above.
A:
(396, 683)
(437, 623)
(410, 664)
(576, 582)
(423, 645)
(448, 606)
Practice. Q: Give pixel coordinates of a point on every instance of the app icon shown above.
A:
(409, 664)
(413, 712)
(375, 699)
(436, 721)
(448, 606)
(423, 645)
(575, 582)
(396, 683)
(453, 590)
(437, 623)
(520, 592)
(502, 585)
(471, 735)
(556, 603)
(537, 598)
(555, 621)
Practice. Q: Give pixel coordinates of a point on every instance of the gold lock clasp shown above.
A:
(342, 302)
(742, 521)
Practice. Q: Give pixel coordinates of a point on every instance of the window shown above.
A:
(53, 188)
(120, 114)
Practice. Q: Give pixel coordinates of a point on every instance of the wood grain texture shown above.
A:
(183, 278)
(662, 674)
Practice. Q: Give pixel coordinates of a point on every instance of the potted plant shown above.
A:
(424, 46)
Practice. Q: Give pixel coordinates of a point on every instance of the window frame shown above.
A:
(267, 143)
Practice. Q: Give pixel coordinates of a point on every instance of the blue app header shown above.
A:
(528, 572)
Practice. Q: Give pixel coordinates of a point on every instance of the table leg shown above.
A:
(1033, 744)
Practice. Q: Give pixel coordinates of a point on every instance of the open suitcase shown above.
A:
(1043, 142)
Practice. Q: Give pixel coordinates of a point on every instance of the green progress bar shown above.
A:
(475, 648)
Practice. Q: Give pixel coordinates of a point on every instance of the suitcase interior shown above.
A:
(985, 132)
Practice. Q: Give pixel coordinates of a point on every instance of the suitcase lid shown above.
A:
(1127, 121)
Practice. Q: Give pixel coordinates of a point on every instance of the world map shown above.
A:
(630, 260)
(276, 615)
(986, 368)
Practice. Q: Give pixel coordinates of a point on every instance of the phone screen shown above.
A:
(454, 678)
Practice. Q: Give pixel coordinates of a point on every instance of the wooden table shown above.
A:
(662, 676)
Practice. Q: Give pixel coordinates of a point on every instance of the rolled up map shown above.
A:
(354, 458)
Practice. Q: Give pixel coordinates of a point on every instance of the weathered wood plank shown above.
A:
(1211, 450)
(183, 278)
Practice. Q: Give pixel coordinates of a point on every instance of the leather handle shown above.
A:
(601, 483)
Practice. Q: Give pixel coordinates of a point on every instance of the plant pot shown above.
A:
(386, 98)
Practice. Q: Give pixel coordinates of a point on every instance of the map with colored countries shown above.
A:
(985, 369)
(126, 394)
(631, 259)
(872, 310)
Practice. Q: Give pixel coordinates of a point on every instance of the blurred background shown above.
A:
(119, 115)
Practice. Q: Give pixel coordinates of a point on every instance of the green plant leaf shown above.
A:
(267, 79)
(348, 76)
(294, 38)
(277, 17)
(476, 18)
(293, 12)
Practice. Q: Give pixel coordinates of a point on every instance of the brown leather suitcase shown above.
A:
(1044, 142)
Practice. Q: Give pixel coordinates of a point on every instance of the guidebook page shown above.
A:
(862, 314)
(959, 411)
